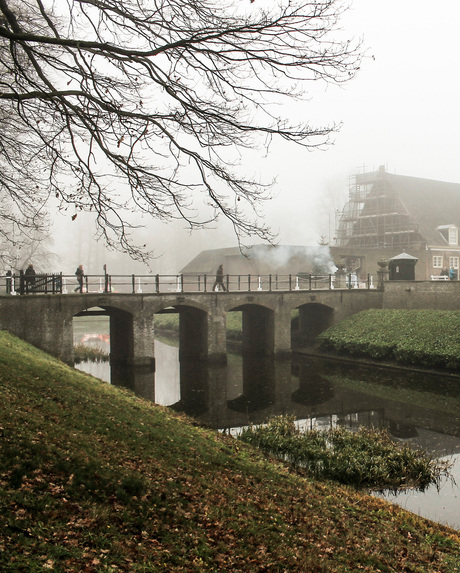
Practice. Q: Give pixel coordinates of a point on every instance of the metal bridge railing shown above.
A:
(57, 283)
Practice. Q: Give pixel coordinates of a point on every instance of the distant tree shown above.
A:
(131, 107)
(31, 246)
(329, 207)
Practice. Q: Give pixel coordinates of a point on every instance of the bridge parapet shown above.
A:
(147, 284)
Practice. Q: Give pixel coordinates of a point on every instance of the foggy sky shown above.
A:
(401, 111)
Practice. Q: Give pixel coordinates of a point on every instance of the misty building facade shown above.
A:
(387, 214)
(263, 260)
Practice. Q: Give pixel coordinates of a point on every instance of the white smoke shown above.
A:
(292, 259)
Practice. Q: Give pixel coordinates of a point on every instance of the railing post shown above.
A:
(205, 286)
(157, 283)
(199, 283)
(290, 281)
(239, 282)
(21, 282)
(9, 282)
(349, 281)
(309, 281)
(270, 283)
(249, 283)
(181, 283)
(133, 283)
(228, 281)
(86, 282)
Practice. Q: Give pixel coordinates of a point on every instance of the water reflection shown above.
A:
(421, 409)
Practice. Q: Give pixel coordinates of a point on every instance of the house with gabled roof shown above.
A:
(263, 259)
(387, 214)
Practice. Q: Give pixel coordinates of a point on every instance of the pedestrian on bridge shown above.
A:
(219, 282)
(29, 275)
(80, 274)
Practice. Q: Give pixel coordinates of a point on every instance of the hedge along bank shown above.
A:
(423, 338)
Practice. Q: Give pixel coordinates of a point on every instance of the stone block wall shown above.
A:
(422, 295)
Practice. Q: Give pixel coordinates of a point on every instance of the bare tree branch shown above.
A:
(141, 106)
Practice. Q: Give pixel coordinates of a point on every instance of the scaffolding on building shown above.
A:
(374, 216)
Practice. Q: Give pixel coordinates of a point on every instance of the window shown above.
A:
(453, 262)
(453, 236)
(437, 262)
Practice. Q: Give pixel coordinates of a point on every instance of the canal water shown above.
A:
(420, 409)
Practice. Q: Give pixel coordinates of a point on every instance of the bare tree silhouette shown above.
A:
(131, 107)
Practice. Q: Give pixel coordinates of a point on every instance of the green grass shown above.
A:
(93, 478)
(423, 338)
(170, 322)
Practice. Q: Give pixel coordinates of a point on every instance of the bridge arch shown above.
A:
(121, 331)
(313, 318)
(258, 327)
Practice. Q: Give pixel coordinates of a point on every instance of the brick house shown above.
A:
(387, 214)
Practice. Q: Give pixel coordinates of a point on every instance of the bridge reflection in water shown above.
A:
(253, 387)
(421, 409)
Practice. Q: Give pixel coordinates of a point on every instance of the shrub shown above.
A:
(83, 353)
(366, 458)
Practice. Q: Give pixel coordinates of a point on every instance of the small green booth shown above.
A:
(402, 267)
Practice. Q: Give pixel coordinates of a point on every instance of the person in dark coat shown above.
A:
(219, 282)
(80, 274)
(29, 275)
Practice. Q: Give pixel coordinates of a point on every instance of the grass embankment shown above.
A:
(93, 478)
(421, 338)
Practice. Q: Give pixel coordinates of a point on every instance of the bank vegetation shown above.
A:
(420, 338)
(169, 322)
(93, 478)
(366, 458)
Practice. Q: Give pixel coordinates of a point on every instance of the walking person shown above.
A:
(80, 274)
(219, 282)
(29, 278)
(452, 273)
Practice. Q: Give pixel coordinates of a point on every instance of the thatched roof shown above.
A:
(261, 259)
(208, 261)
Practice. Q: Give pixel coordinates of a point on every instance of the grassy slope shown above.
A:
(93, 478)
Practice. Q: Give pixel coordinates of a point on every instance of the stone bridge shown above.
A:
(46, 320)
